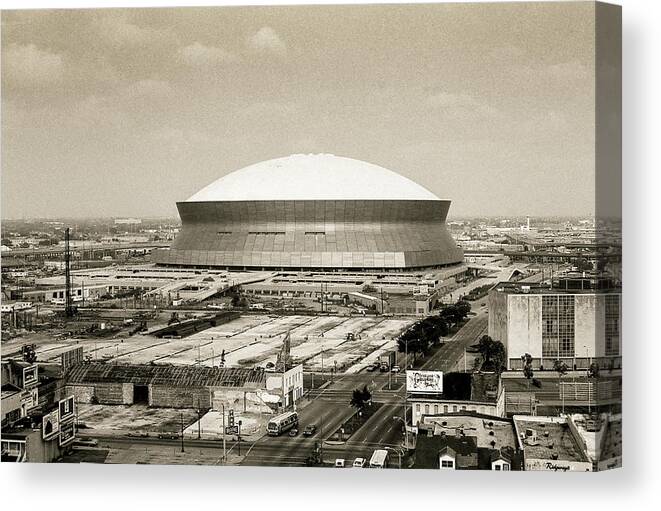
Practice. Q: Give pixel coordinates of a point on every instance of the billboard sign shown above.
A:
(67, 409)
(424, 382)
(30, 376)
(51, 424)
(71, 357)
(67, 433)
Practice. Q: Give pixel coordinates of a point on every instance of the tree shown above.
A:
(463, 308)
(29, 354)
(493, 353)
(527, 371)
(593, 370)
(561, 368)
(368, 288)
(360, 398)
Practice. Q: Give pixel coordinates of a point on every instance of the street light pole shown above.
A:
(224, 445)
(182, 431)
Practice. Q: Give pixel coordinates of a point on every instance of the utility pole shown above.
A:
(182, 431)
(199, 419)
(224, 445)
(238, 436)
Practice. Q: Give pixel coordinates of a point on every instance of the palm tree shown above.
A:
(527, 372)
(561, 368)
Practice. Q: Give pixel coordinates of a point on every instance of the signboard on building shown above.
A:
(50, 424)
(558, 465)
(71, 357)
(67, 433)
(427, 382)
(30, 376)
(67, 409)
(30, 398)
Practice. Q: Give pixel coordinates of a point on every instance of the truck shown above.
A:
(387, 360)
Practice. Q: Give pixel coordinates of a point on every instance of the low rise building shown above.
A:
(550, 444)
(467, 441)
(478, 392)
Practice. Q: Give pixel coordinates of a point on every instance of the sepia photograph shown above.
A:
(326, 236)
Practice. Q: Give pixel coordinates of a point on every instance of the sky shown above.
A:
(124, 112)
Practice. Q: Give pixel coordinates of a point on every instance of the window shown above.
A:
(612, 325)
(497, 467)
(454, 408)
(426, 409)
(557, 326)
(447, 464)
(435, 409)
(445, 408)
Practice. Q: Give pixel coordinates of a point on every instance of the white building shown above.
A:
(288, 385)
(576, 326)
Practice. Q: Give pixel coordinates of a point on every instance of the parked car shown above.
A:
(293, 432)
(339, 463)
(168, 436)
(310, 430)
(372, 368)
(395, 369)
(359, 462)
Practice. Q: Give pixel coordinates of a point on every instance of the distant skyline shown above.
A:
(124, 112)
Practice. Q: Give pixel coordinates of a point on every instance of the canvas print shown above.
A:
(340, 236)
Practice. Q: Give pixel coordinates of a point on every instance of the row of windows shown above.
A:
(447, 408)
(340, 210)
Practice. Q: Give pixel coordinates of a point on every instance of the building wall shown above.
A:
(517, 321)
(438, 407)
(524, 326)
(313, 234)
(167, 396)
(81, 393)
(40, 450)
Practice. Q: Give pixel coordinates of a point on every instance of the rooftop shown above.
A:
(548, 438)
(312, 177)
(484, 428)
(184, 376)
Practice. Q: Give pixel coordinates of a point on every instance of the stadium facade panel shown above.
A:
(313, 234)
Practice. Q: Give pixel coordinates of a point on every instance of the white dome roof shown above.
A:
(312, 177)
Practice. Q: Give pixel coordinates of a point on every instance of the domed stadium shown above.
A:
(313, 212)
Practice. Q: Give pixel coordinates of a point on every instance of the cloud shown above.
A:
(266, 40)
(199, 55)
(118, 32)
(268, 109)
(149, 88)
(28, 66)
(460, 104)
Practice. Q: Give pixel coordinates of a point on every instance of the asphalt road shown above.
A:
(447, 357)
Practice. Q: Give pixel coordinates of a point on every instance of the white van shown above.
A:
(379, 459)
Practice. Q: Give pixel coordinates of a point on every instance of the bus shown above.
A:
(379, 459)
(281, 423)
